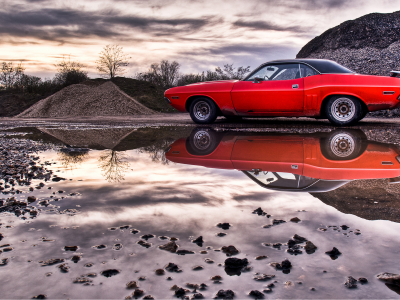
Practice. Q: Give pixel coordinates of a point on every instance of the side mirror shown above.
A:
(257, 79)
(270, 69)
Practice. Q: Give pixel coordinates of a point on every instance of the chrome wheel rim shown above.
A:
(342, 145)
(202, 110)
(343, 109)
(202, 140)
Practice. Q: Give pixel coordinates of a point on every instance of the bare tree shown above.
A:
(229, 72)
(10, 74)
(112, 61)
(114, 164)
(164, 74)
(69, 72)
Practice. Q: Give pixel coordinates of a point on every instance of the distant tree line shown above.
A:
(111, 63)
(13, 78)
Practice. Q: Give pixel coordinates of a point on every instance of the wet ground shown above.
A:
(92, 211)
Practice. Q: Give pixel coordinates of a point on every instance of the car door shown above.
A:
(280, 89)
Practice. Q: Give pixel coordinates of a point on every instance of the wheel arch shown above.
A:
(328, 97)
(190, 100)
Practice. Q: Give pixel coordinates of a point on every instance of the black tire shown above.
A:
(203, 111)
(203, 141)
(343, 110)
(344, 144)
(233, 118)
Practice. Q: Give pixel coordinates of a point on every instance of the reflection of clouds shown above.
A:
(113, 164)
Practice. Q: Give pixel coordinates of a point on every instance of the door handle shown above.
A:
(295, 86)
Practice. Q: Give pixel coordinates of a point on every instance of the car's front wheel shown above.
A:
(203, 111)
(343, 110)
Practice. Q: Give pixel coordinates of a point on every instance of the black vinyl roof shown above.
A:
(323, 66)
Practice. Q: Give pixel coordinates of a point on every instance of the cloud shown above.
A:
(265, 25)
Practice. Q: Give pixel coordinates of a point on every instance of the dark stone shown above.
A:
(31, 198)
(299, 239)
(100, 247)
(144, 244)
(53, 261)
(277, 222)
(236, 263)
(197, 268)
(263, 277)
(147, 236)
(64, 268)
(256, 294)
(224, 226)
(40, 296)
(310, 247)
(132, 285)
(295, 220)
(134, 231)
(110, 272)
(259, 212)
(160, 272)
(197, 296)
(71, 248)
(180, 292)
(148, 297)
(345, 227)
(209, 261)
(261, 257)
(284, 265)
(363, 280)
(221, 234)
(199, 241)
(184, 252)
(138, 293)
(230, 250)
(117, 246)
(225, 294)
(171, 267)
(334, 253)
(351, 282)
(170, 246)
(76, 258)
(389, 278)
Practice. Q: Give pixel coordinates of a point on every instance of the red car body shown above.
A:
(248, 98)
(306, 155)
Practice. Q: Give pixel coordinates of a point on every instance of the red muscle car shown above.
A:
(316, 88)
(317, 162)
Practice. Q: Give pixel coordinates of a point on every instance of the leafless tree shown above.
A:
(229, 72)
(69, 72)
(112, 61)
(114, 165)
(10, 74)
(164, 74)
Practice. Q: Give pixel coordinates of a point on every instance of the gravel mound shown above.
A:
(367, 45)
(82, 100)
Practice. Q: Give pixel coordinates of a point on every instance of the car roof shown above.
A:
(323, 66)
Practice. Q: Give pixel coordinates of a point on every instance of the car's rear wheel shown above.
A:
(344, 144)
(343, 110)
(203, 111)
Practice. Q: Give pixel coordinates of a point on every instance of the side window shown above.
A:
(265, 73)
(307, 71)
(277, 72)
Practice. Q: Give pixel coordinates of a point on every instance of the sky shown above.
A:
(199, 34)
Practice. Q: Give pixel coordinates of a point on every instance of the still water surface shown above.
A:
(114, 195)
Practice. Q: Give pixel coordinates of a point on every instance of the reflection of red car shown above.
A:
(290, 88)
(306, 162)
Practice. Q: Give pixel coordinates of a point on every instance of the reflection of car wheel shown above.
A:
(233, 118)
(343, 110)
(344, 144)
(203, 141)
(203, 111)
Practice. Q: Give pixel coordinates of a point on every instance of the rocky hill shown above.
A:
(367, 45)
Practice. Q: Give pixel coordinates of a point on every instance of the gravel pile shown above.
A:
(367, 45)
(82, 100)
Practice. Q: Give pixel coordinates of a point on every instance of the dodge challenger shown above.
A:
(315, 88)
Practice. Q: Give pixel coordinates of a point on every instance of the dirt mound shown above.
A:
(83, 100)
(368, 45)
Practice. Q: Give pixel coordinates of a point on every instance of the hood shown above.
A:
(215, 82)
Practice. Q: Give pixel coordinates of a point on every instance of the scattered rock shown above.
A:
(132, 285)
(70, 248)
(299, 239)
(180, 292)
(197, 296)
(100, 247)
(134, 231)
(82, 279)
(147, 236)
(137, 293)
(263, 277)
(110, 272)
(209, 261)
(216, 277)
(334, 253)
(197, 268)
(234, 266)
(170, 246)
(199, 241)
(144, 244)
(390, 278)
(88, 265)
(148, 297)
(53, 261)
(225, 294)
(230, 250)
(286, 265)
(295, 220)
(171, 267)
(76, 258)
(142, 278)
(117, 246)
(40, 296)
(261, 257)
(221, 234)
(259, 212)
(363, 280)
(256, 294)
(64, 268)
(310, 247)
(351, 282)
(345, 227)
(224, 226)
(184, 252)
(4, 261)
(277, 222)
(160, 272)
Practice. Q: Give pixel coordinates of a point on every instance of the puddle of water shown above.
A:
(115, 197)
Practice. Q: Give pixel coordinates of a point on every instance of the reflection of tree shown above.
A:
(113, 164)
(157, 151)
(71, 157)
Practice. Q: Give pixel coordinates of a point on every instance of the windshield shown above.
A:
(281, 180)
